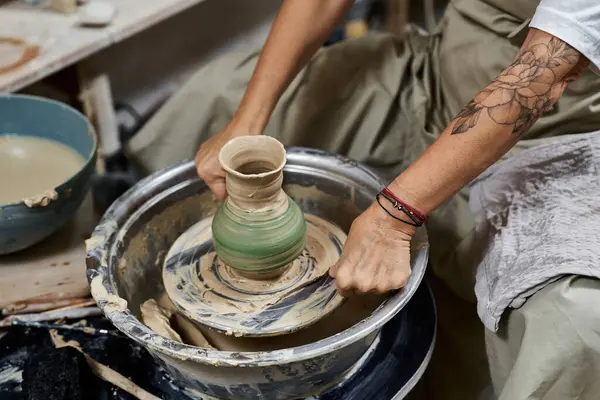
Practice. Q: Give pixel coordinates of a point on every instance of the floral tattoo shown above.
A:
(522, 93)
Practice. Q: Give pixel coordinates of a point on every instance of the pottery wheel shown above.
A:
(214, 295)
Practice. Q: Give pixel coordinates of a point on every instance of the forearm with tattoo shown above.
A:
(522, 93)
(492, 122)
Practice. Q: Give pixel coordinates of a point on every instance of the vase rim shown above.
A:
(258, 140)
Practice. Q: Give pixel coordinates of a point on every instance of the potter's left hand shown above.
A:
(376, 256)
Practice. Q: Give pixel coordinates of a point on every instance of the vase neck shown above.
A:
(254, 172)
(251, 193)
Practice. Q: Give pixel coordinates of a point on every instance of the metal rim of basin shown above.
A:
(101, 254)
(91, 131)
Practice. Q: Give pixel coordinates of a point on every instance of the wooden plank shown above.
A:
(52, 269)
(63, 42)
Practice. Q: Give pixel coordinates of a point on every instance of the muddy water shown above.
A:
(30, 166)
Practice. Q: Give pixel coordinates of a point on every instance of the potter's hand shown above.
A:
(287, 49)
(207, 159)
(376, 256)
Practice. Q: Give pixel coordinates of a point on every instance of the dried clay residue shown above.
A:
(163, 227)
(11, 374)
(17, 53)
(163, 318)
(157, 319)
(42, 199)
(354, 310)
(102, 371)
(113, 302)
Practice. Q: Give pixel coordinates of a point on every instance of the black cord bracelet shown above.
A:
(416, 221)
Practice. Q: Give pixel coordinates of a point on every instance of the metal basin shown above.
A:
(126, 252)
(21, 226)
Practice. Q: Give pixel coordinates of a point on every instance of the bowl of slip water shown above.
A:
(47, 157)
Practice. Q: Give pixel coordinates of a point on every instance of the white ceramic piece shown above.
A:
(97, 13)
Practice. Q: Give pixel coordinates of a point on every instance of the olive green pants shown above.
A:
(383, 100)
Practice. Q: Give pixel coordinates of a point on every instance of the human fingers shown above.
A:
(218, 188)
(402, 279)
(364, 275)
(382, 281)
(214, 180)
(343, 277)
(210, 171)
(399, 276)
(334, 268)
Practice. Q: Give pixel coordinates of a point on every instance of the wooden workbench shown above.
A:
(63, 42)
(55, 268)
(52, 269)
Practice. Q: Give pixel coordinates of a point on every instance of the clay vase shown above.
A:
(259, 230)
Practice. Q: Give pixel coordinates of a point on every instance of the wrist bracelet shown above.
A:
(415, 216)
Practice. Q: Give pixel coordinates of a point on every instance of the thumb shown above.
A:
(218, 189)
(333, 270)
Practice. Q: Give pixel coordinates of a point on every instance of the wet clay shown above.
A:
(32, 167)
(113, 302)
(259, 230)
(254, 172)
(162, 317)
(157, 318)
(352, 311)
(210, 292)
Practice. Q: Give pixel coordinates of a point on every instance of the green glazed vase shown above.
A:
(259, 230)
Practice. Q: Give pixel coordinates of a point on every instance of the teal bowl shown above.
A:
(20, 115)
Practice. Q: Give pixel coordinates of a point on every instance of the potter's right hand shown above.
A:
(376, 256)
(207, 159)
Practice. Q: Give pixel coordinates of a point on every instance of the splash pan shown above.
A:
(128, 248)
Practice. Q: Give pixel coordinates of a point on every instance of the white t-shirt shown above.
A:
(576, 22)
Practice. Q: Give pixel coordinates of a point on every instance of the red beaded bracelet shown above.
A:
(415, 216)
